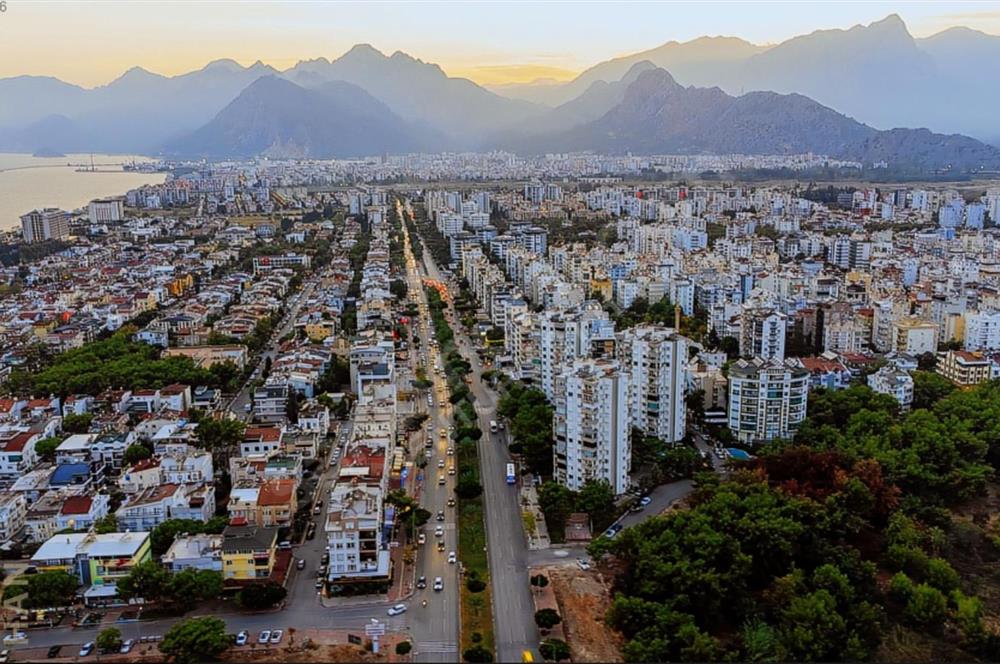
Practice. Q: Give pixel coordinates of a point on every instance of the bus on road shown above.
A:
(511, 478)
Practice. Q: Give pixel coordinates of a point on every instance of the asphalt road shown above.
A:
(513, 609)
(434, 628)
(300, 615)
(244, 396)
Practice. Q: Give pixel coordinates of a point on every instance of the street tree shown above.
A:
(547, 618)
(109, 640)
(50, 589)
(195, 639)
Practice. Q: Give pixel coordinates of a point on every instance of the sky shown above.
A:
(91, 43)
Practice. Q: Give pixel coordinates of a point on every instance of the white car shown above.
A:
(127, 646)
(276, 636)
(84, 651)
(451, 470)
(451, 451)
(439, 531)
(438, 584)
(440, 463)
(396, 610)
(264, 636)
(452, 558)
(421, 538)
(242, 638)
(583, 564)
(15, 637)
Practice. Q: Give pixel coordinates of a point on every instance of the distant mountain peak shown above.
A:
(227, 64)
(138, 73)
(657, 76)
(890, 25)
(363, 51)
(635, 70)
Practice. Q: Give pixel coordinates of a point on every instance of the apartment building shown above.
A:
(895, 382)
(762, 333)
(248, 552)
(45, 224)
(656, 358)
(914, 336)
(583, 332)
(767, 398)
(963, 368)
(591, 425)
(354, 533)
(982, 331)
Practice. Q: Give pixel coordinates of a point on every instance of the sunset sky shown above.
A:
(91, 43)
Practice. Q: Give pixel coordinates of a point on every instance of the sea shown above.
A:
(28, 182)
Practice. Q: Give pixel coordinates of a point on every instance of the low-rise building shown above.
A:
(895, 382)
(248, 552)
(963, 368)
(194, 551)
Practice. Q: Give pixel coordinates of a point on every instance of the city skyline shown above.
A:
(512, 50)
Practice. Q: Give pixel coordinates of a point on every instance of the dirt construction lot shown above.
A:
(583, 599)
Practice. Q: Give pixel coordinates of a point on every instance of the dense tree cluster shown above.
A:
(821, 547)
(116, 362)
(530, 419)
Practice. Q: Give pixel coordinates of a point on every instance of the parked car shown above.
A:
(397, 610)
(53, 652)
(87, 648)
(264, 636)
(126, 646)
(583, 564)
(276, 636)
(242, 638)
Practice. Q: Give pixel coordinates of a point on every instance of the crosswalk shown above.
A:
(435, 646)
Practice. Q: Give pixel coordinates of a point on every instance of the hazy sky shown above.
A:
(91, 43)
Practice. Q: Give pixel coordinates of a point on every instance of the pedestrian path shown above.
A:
(435, 646)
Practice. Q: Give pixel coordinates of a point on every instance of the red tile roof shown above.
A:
(276, 492)
(77, 505)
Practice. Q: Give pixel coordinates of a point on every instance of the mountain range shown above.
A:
(877, 73)
(680, 97)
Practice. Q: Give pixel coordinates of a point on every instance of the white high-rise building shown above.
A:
(106, 210)
(767, 398)
(45, 224)
(591, 425)
(656, 358)
(586, 331)
(982, 331)
(762, 333)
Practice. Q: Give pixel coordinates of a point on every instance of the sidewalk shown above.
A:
(538, 536)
